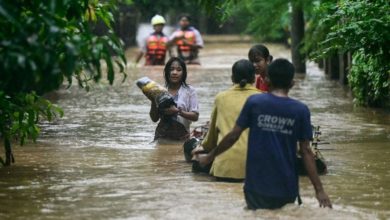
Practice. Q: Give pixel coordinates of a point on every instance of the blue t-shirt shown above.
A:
(276, 125)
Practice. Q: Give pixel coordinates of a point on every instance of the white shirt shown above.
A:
(187, 100)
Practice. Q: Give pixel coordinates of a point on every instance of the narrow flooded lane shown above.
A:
(99, 161)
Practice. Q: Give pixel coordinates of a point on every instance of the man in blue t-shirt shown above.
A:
(276, 123)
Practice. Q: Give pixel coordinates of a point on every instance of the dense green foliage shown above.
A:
(172, 9)
(149, 8)
(236, 17)
(363, 28)
(43, 43)
(317, 28)
(21, 113)
(270, 20)
(222, 8)
(265, 20)
(369, 79)
(268, 26)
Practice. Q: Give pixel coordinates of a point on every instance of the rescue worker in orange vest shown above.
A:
(188, 41)
(155, 45)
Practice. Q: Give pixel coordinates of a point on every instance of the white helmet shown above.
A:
(158, 19)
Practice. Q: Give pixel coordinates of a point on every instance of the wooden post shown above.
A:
(297, 34)
(343, 68)
(320, 63)
(9, 157)
(334, 67)
(325, 61)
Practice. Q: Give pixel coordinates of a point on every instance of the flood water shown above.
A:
(99, 161)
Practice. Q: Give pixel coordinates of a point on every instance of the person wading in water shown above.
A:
(174, 121)
(154, 47)
(230, 166)
(188, 41)
(276, 123)
(260, 57)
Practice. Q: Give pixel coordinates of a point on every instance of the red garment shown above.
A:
(261, 84)
(156, 48)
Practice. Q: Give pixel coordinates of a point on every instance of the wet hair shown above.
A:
(281, 73)
(185, 16)
(243, 72)
(260, 50)
(167, 70)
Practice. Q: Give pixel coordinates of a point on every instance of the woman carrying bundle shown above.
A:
(174, 121)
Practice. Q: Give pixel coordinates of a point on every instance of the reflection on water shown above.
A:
(99, 161)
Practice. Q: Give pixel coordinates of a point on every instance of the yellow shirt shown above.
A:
(227, 108)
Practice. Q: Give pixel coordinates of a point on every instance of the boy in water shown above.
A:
(276, 123)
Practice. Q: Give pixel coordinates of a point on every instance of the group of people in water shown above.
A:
(187, 40)
(253, 131)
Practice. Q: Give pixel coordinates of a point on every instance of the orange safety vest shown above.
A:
(156, 48)
(184, 50)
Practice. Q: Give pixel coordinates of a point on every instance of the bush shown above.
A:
(43, 43)
(369, 79)
(363, 28)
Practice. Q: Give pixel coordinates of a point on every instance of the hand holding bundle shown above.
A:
(155, 93)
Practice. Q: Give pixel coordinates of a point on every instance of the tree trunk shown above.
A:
(297, 33)
(9, 158)
(334, 66)
(343, 68)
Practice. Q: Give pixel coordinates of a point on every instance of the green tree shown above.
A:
(149, 8)
(363, 28)
(270, 19)
(317, 28)
(43, 43)
(171, 9)
(268, 26)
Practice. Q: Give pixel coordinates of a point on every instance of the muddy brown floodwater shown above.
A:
(99, 161)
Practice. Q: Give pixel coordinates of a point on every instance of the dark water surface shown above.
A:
(99, 161)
